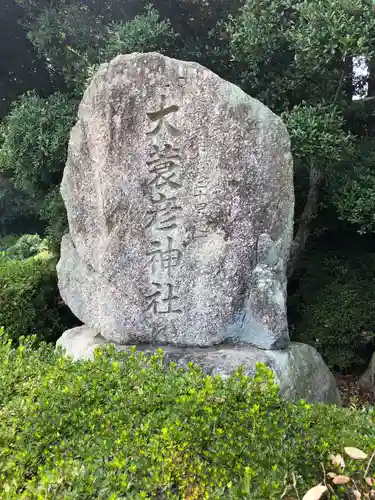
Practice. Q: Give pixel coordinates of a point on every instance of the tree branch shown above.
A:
(308, 213)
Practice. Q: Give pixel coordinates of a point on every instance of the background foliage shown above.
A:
(27, 297)
(33, 150)
(335, 307)
(30, 303)
(124, 427)
(296, 56)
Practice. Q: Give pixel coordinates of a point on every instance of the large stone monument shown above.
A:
(179, 194)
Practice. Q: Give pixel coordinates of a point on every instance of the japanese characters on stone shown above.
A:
(162, 221)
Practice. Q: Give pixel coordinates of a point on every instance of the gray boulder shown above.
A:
(179, 194)
(367, 381)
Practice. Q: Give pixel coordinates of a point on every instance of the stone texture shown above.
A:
(179, 194)
(367, 381)
(299, 370)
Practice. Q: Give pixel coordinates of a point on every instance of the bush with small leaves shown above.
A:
(147, 32)
(126, 426)
(29, 300)
(26, 246)
(34, 143)
(33, 151)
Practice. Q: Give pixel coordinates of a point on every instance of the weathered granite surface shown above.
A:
(367, 381)
(179, 194)
(299, 370)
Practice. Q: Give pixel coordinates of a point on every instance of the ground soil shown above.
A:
(351, 393)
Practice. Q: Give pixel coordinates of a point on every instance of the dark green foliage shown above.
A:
(356, 199)
(17, 210)
(202, 29)
(29, 301)
(35, 138)
(33, 153)
(338, 308)
(360, 117)
(75, 36)
(26, 246)
(296, 57)
(352, 187)
(54, 214)
(69, 37)
(8, 241)
(145, 33)
(73, 33)
(123, 427)
(317, 134)
(262, 53)
(20, 68)
(295, 51)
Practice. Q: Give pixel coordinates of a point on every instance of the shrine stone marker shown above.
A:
(179, 193)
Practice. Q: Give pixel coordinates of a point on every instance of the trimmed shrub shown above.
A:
(29, 298)
(122, 426)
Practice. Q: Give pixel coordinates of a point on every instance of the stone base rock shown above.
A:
(367, 381)
(300, 370)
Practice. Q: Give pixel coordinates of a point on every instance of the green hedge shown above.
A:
(122, 427)
(29, 297)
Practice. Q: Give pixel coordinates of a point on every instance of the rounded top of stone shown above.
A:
(147, 63)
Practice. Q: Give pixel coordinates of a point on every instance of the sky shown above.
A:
(359, 69)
